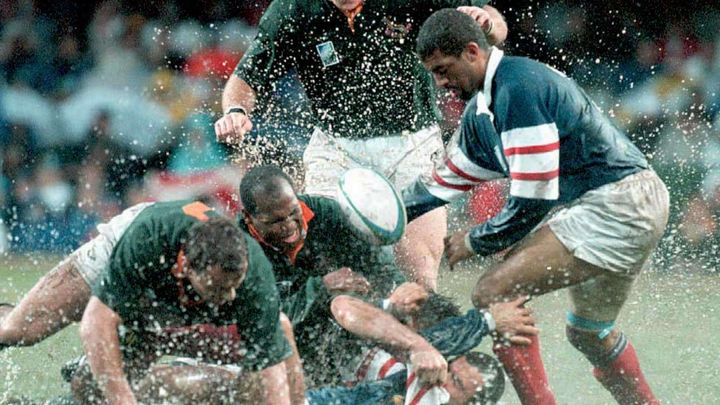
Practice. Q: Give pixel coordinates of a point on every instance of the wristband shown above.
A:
(236, 109)
(489, 320)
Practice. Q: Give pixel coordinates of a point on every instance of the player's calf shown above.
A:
(616, 365)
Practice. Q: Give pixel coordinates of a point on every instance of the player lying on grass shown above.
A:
(311, 246)
(153, 268)
(528, 122)
(416, 372)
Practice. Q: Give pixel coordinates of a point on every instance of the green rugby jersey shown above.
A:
(140, 287)
(362, 82)
(329, 245)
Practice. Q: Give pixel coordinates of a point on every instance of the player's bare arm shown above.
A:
(98, 332)
(238, 101)
(369, 322)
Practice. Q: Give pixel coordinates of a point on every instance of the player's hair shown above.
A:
(261, 179)
(448, 31)
(217, 241)
(435, 309)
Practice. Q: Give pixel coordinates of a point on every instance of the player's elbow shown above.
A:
(342, 309)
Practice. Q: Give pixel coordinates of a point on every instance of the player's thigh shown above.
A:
(409, 156)
(540, 263)
(62, 293)
(429, 229)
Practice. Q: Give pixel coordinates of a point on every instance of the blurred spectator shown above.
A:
(198, 150)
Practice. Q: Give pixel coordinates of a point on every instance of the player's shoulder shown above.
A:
(522, 77)
(295, 10)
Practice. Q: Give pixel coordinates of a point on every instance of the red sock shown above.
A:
(625, 381)
(525, 369)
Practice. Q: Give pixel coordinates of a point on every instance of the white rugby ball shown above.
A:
(372, 206)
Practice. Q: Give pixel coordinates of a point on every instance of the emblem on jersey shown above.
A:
(395, 30)
(327, 53)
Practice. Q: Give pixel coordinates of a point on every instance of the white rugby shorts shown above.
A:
(400, 158)
(614, 227)
(92, 258)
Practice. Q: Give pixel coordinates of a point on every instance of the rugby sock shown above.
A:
(525, 369)
(624, 379)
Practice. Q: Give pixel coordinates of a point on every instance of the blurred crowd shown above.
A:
(108, 103)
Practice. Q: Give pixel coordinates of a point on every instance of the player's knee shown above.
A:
(485, 293)
(600, 342)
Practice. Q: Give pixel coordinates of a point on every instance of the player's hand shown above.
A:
(455, 249)
(513, 321)
(345, 280)
(429, 365)
(231, 128)
(480, 16)
(407, 299)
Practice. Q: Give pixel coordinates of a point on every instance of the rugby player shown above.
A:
(534, 125)
(372, 104)
(471, 377)
(152, 269)
(315, 256)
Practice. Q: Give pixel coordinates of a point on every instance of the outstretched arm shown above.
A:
(369, 322)
(99, 335)
(238, 100)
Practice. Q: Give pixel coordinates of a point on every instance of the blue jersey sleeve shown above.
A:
(457, 335)
(469, 159)
(531, 149)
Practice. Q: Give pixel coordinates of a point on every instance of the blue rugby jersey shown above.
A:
(536, 126)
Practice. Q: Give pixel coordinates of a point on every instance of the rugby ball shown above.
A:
(372, 206)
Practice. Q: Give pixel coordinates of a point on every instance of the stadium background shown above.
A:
(105, 104)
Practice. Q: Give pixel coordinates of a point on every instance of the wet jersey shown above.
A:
(140, 287)
(362, 78)
(536, 126)
(452, 337)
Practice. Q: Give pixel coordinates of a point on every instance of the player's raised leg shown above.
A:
(537, 265)
(58, 299)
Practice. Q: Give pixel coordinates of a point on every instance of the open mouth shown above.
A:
(293, 237)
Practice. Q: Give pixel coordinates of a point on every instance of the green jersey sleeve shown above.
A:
(269, 55)
(258, 312)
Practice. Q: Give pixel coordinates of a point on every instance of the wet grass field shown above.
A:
(672, 319)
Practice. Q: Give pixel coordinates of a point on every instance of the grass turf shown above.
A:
(672, 319)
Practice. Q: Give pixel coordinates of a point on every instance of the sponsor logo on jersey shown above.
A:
(327, 53)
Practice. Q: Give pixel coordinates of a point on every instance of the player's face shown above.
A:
(279, 219)
(464, 381)
(453, 73)
(215, 285)
(346, 5)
